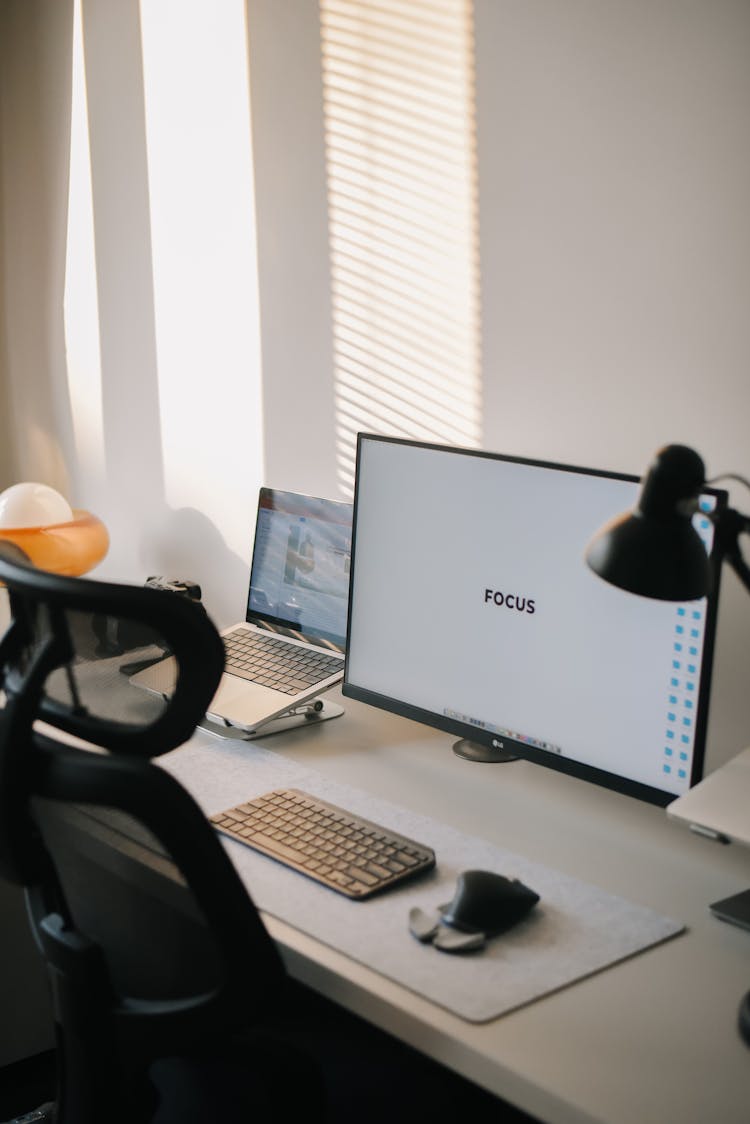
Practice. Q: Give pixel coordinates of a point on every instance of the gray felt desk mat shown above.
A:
(576, 929)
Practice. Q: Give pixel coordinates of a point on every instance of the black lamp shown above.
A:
(655, 551)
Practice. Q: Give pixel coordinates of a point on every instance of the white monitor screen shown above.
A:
(472, 609)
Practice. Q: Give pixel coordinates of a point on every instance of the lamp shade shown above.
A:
(654, 550)
(71, 548)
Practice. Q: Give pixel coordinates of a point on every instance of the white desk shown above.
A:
(652, 1039)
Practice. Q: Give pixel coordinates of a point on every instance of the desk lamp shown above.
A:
(656, 552)
(51, 534)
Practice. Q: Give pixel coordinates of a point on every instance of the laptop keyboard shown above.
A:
(264, 658)
(345, 852)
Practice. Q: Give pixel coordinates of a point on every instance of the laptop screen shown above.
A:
(299, 580)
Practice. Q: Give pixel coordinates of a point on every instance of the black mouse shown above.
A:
(487, 903)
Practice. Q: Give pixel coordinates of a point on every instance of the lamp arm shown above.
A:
(730, 524)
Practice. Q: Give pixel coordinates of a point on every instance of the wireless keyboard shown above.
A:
(348, 854)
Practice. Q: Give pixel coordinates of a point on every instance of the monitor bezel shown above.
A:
(613, 781)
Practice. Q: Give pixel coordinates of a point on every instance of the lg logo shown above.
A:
(509, 600)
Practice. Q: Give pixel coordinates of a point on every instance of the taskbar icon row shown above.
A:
(502, 731)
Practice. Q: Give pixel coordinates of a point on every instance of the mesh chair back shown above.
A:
(153, 943)
(65, 660)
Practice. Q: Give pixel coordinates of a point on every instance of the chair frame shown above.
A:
(52, 756)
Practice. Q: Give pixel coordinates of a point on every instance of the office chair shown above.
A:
(171, 1002)
(159, 999)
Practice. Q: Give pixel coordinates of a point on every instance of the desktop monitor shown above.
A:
(471, 609)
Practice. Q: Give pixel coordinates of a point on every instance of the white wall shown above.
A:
(295, 299)
(143, 404)
(614, 161)
(614, 175)
(615, 240)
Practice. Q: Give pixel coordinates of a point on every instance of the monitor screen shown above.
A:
(472, 609)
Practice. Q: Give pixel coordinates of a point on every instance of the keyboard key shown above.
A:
(363, 875)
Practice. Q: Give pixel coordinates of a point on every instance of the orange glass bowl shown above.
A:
(70, 548)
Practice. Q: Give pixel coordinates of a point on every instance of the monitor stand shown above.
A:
(484, 754)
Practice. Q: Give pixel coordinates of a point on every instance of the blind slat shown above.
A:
(401, 165)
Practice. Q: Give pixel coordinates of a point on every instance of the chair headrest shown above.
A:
(73, 644)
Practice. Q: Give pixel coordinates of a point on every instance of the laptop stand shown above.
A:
(308, 714)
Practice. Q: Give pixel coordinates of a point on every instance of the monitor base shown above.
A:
(483, 754)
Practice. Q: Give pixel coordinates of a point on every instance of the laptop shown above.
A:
(718, 806)
(290, 647)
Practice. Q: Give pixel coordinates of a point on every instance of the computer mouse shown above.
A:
(487, 902)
